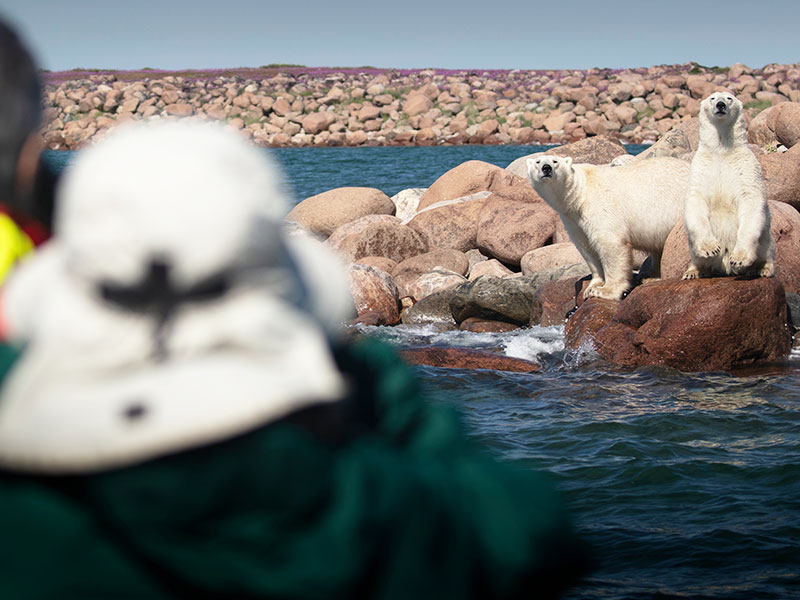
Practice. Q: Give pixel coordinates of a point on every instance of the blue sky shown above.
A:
(576, 34)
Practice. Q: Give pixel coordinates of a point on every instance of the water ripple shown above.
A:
(686, 485)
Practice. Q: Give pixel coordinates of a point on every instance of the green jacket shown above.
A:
(379, 496)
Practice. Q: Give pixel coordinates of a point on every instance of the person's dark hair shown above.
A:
(20, 106)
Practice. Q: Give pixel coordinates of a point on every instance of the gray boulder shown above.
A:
(495, 299)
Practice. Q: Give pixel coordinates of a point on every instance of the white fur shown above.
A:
(608, 211)
(726, 214)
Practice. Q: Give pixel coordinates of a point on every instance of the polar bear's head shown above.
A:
(721, 107)
(722, 121)
(548, 169)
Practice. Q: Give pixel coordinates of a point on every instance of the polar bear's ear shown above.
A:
(568, 161)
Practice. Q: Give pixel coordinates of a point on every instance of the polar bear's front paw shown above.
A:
(594, 283)
(768, 270)
(741, 260)
(606, 292)
(690, 273)
(708, 248)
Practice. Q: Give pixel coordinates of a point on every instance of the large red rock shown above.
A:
(557, 299)
(781, 171)
(325, 212)
(379, 262)
(452, 226)
(390, 240)
(595, 150)
(410, 269)
(759, 132)
(721, 323)
(476, 325)
(476, 176)
(784, 120)
(508, 229)
(374, 294)
(436, 280)
(679, 141)
(592, 315)
(491, 267)
(467, 358)
(342, 232)
(785, 228)
(547, 257)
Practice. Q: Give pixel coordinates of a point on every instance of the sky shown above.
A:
(577, 34)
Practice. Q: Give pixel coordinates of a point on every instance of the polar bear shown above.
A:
(726, 213)
(608, 211)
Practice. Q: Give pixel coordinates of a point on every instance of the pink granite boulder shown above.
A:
(325, 212)
(476, 176)
(436, 280)
(342, 232)
(784, 120)
(410, 269)
(553, 255)
(374, 294)
(596, 150)
(785, 228)
(508, 229)
(781, 171)
(390, 240)
(452, 226)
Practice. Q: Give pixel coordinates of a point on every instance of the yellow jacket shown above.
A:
(14, 244)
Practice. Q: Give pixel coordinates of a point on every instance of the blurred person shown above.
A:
(180, 416)
(25, 184)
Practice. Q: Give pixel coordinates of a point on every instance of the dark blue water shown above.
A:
(310, 171)
(686, 485)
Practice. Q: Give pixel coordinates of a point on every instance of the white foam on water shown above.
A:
(532, 342)
(528, 343)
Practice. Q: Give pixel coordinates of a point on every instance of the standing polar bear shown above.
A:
(726, 214)
(608, 211)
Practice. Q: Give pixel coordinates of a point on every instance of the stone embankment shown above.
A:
(294, 106)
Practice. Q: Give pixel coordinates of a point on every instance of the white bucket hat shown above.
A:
(169, 310)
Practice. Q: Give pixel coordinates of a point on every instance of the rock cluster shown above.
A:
(294, 106)
(479, 250)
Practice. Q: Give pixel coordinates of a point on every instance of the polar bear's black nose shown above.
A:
(721, 106)
(547, 170)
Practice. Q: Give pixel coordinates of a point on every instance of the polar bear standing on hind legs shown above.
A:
(608, 211)
(726, 213)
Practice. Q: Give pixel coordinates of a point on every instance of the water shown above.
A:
(310, 171)
(686, 485)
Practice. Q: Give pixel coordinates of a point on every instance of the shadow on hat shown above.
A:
(169, 309)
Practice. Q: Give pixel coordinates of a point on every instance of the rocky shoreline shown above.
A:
(304, 107)
(479, 250)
